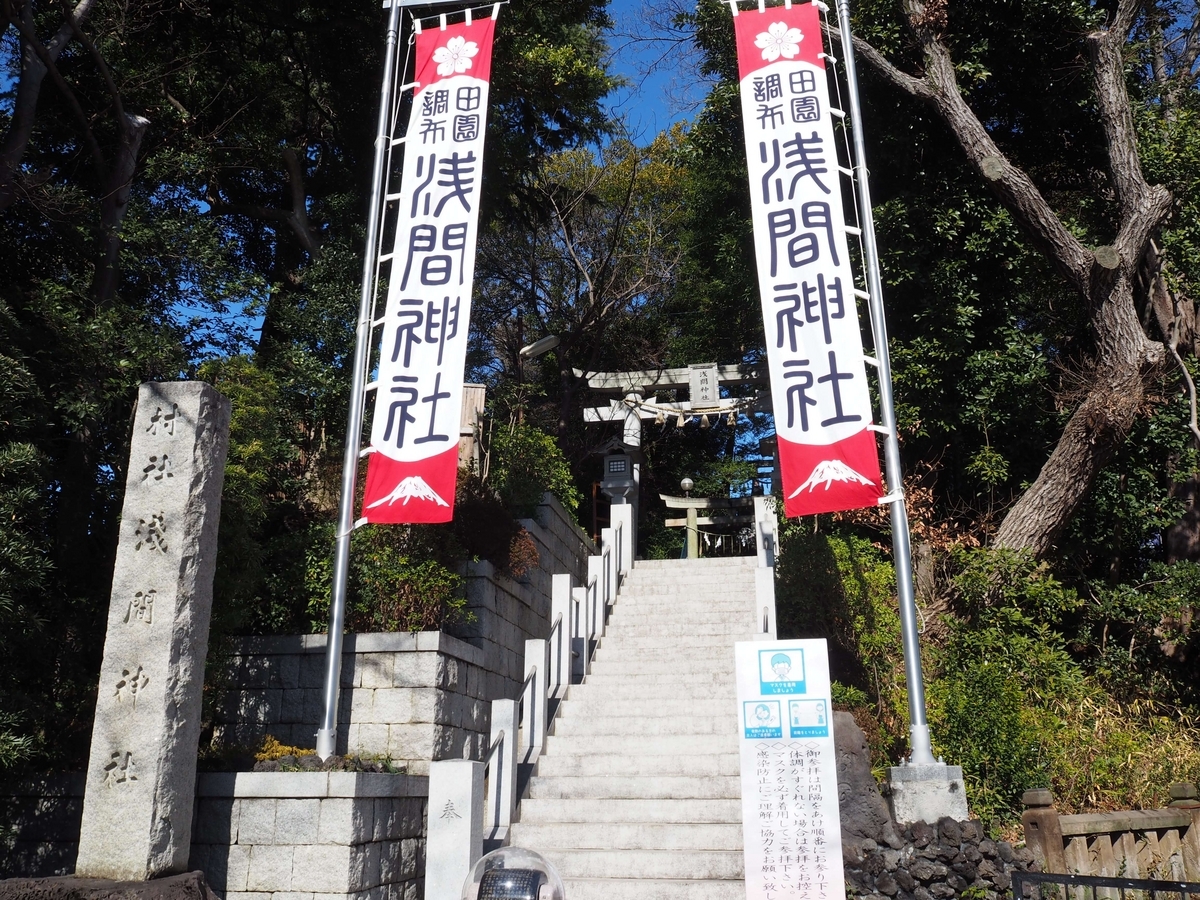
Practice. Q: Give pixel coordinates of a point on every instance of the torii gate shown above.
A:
(703, 382)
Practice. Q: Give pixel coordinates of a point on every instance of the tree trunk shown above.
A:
(115, 204)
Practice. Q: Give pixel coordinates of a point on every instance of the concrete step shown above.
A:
(691, 765)
(702, 633)
(635, 615)
(641, 836)
(646, 725)
(690, 864)
(685, 668)
(696, 590)
(612, 675)
(632, 811)
(691, 567)
(653, 889)
(680, 604)
(630, 648)
(652, 745)
(634, 691)
(609, 708)
(617, 787)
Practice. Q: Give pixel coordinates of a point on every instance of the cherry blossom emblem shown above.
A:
(455, 57)
(778, 40)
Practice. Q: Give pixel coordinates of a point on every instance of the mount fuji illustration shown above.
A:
(829, 471)
(411, 488)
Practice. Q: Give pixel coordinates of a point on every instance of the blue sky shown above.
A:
(663, 87)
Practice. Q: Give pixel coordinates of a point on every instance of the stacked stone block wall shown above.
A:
(409, 697)
(311, 835)
(39, 826)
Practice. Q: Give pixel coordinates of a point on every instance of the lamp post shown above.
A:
(693, 528)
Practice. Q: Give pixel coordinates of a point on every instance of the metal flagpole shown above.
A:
(922, 750)
(327, 733)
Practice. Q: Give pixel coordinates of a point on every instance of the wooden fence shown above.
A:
(1156, 843)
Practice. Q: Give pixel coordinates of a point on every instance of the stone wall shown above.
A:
(39, 826)
(310, 835)
(935, 862)
(411, 697)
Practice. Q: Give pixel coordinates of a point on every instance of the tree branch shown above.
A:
(25, 27)
(1122, 22)
(1014, 188)
(29, 87)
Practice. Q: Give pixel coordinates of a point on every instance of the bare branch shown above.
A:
(101, 65)
(916, 87)
(48, 61)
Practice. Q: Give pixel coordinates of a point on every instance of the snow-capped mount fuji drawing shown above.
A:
(413, 487)
(828, 471)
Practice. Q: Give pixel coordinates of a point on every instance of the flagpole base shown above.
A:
(326, 742)
(926, 793)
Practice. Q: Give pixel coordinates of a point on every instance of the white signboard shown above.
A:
(791, 828)
(705, 383)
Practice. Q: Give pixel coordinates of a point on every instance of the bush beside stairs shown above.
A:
(637, 796)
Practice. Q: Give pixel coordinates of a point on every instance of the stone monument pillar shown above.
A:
(137, 806)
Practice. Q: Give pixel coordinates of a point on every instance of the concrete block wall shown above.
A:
(39, 826)
(409, 697)
(310, 835)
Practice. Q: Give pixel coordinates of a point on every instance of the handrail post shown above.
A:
(560, 642)
(454, 837)
(537, 662)
(595, 574)
(608, 551)
(766, 528)
(579, 654)
(504, 767)
(622, 518)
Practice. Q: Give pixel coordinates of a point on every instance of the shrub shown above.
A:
(524, 463)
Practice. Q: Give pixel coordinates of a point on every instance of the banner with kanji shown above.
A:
(827, 453)
(413, 463)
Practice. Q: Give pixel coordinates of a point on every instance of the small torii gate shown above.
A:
(630, 406)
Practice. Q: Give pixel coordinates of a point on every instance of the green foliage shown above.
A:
(524, 463)
(837, 585)
(396, 581)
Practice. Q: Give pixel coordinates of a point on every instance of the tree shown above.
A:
(590, 256)
(169, 172)
(1121, 282)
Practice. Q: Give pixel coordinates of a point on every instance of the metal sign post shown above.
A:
(922, 751)
(327, 732)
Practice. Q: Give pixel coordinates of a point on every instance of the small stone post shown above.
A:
(454, 826)
(141, 777)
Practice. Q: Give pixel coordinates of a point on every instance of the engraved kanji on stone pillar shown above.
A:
(137, 807)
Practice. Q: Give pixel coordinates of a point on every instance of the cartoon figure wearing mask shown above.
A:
(781, 665)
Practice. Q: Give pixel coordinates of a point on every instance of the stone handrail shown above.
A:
(488, 790)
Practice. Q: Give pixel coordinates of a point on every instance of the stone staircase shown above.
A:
(637, 796)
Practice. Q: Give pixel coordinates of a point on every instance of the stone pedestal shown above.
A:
(137, 808)
(926, 794)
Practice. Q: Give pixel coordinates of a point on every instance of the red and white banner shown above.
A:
(413, 463)
(827, 452)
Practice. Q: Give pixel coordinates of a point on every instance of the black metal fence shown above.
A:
(1052, 886)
